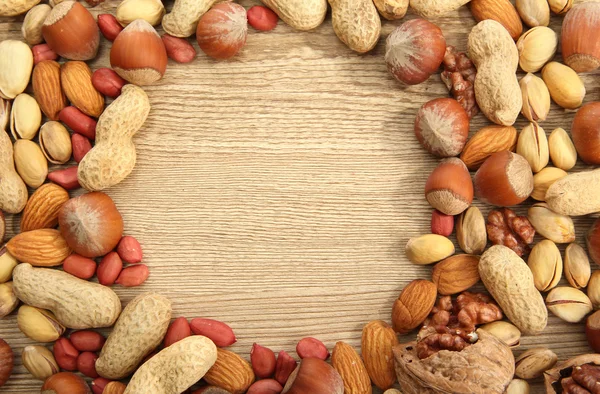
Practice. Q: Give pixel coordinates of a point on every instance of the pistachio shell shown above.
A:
(39, 324)
(544, 179)
(152, 11)
(39, 361)
(533, 146)
(551, 225)
(534, 362)
(471, 233)
(8, 299)
(577, 266)
(536, 47)
(562, 149)
(25, 117)
(30, 163)
(504, 331)
(55, 142)
(16, 64)
(593, 289)
(565, 86)
(534, 12)
(536, 98)
(546, 265)
(569, 304)
(428, 249)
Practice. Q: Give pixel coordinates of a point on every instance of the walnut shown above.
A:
(484, 367)
(459, 76)
(504, 227)
(443, 338)
(577, 375)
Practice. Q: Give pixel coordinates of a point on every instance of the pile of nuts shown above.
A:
(463, 344)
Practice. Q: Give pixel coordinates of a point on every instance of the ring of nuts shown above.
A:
(457, 328)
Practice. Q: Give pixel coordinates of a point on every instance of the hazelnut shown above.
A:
(449, 188)
(592, 331)
(223, 30)
(581, 26)
(65, 383)
(71, 31)
(586, 132)
(414, 51)
(91, 224)
(138, 54)
(314, 376)
(504, 179)
(442, 127)
(6, 362)
(593, 242)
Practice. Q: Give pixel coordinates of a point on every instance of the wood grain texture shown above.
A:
(276, 191)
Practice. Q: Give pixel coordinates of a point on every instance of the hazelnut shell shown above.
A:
(442, 127)
(449, 188)
(66, 383)
(592, 331)
(593, 241)
(223, 30)
(6, 361)
(580, 51)
(314, 376)
(504, 179)
(71, 31)
(586, 133)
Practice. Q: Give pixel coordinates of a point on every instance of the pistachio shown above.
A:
(565, 86)
(569, 304)
(546, 265)
(557, 228)
(533, 146)
(7, 264)
(16, 64)
(25, 117)
(577, 266)
(517, 386)
(593, 289)
(471, 233)
(534, 12)
(33, 22)
(536, 98)
(55, 142)
(543, 180)
(504, 331)
(30, 163)
(151, 11)
(536, 47)
(428, 249)
(534, 362)
(8, 299)
(560, 7)
(562, 149)
(39, 361)
(39, 324)
(4, 113)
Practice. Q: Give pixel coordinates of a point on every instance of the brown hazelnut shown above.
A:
(138, 54)
(65, 383)
(586, 132)
(71, 31)
(504, 179)
(592, 331)
(91, 224)
(580, 51)
(314, 376)
(222, 31)
(449, 188)
(414, 51)
(593, 241)
(442, 127)
(6, 361)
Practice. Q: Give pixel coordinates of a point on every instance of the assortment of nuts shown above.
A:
(161, 356)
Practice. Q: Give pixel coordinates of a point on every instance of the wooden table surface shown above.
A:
(276, 191)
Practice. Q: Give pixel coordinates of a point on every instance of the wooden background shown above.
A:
(276, 191)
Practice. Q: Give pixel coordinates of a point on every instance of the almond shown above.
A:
(76, 80)
(351, 368)
(47, 89)
(413, 305)
(42, 208)
(456, 274)
(42, 248)
(501, 11)
(378, 341)
(230, 372)
(485, 142)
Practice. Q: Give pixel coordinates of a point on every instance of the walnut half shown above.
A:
(578, 375)
(487, 366)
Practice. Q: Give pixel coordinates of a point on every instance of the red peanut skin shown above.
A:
(78, 122)
(99, 384)
(312, 347)
(86, 364)
(67, 178)
(130, 250)
(179, 49)
(87, 340)
(81, 146)
(218, 332)
(178, 330)
(65, 354)
(284, 368)
(109, 269)
(108, 82)
(79, 266)
(262, 18)
(222, 31)
(441, 223)
(263, 361)
(266, 386)
(43, 52)
(109, 26)
(133, 276)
